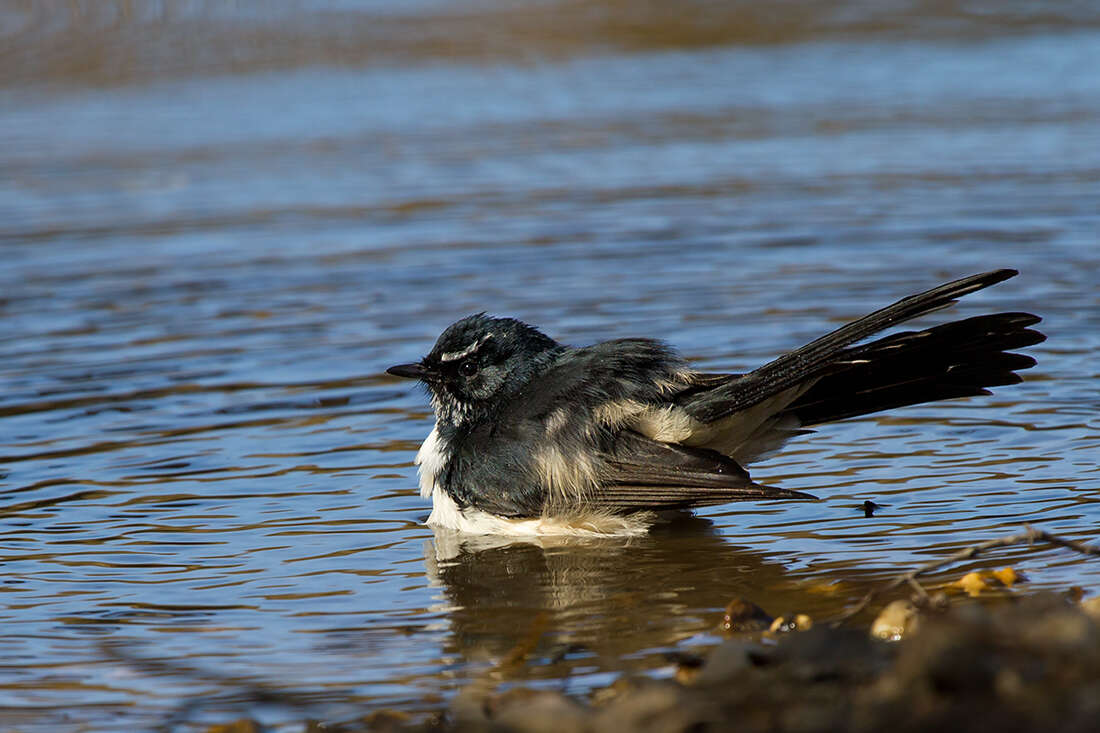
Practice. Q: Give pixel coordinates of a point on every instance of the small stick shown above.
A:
(1029, 536)
(527, 644)
(918, 588)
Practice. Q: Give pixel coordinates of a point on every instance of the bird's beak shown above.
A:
(410, 371)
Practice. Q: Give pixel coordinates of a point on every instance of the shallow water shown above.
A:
(212, 252)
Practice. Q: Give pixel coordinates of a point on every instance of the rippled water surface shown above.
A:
(219, 228)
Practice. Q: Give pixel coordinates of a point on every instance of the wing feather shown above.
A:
(644, 474)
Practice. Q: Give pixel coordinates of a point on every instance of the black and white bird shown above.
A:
(535, 437)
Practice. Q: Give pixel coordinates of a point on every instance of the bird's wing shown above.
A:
(642, 474)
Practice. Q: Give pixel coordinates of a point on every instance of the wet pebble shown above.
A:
(896, 621)
(536, 711)
(792, 622)
(745, 616)
(1091, 607)
(728, 660)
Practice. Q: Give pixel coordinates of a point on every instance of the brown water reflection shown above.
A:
(219, 223)
(126, 42)
(614, 599)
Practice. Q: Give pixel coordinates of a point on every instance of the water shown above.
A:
(219, 227)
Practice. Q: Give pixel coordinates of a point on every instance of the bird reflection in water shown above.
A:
(602, 604)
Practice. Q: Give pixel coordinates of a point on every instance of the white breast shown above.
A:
(431, 459)
(445, 513)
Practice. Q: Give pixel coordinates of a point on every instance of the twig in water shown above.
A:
(526, 645)
(1029, 536)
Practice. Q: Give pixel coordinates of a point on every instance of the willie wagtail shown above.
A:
(535, 437)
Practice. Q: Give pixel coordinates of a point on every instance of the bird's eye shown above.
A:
(468, 368)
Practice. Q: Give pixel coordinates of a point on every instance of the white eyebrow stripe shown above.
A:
(455, 355)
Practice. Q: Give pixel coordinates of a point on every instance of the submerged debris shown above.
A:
(975, 583)
(1008, 577)
(869, 508)
(972, 584)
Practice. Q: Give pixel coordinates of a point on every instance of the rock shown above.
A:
(744, 616)
(1008, 577)
(972, 583)
(728, 660)
(1091, 607)
(898, 620)
(787, 624)
(847, 655)
(656, 706)
(536, 711)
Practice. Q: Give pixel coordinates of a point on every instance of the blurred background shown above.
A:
(221, 221)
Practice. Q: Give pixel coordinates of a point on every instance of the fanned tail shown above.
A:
(819, 358)
(959, 359)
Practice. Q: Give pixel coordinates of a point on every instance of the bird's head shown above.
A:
(477, 362)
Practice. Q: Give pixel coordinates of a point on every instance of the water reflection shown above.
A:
(613, 597)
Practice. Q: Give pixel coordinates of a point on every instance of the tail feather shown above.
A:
(819, 358)
(959, 359)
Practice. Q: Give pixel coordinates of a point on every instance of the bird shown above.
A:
(534, 437)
